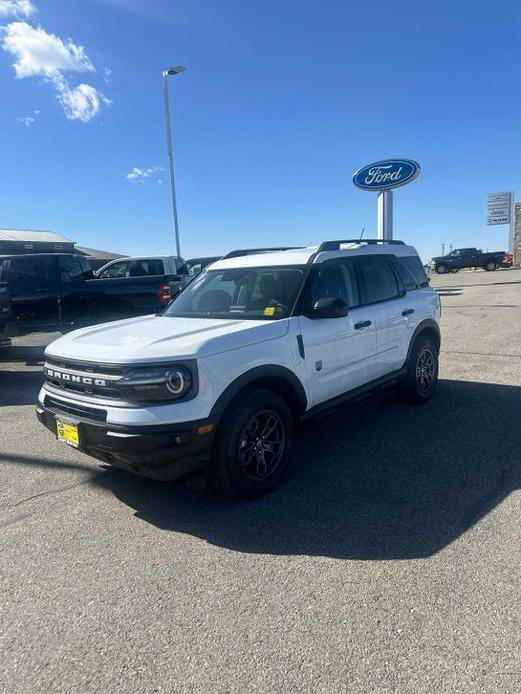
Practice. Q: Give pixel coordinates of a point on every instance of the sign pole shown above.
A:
(512, 221)
(385, 215)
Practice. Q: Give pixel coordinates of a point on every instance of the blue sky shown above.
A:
(280, 103)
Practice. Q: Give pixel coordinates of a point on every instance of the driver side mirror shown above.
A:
(329, 307)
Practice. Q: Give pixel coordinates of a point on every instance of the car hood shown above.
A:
(161, 338)
(439, 257)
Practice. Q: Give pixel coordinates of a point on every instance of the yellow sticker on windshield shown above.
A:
(269, 310)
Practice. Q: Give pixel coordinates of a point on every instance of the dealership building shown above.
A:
(19, 241)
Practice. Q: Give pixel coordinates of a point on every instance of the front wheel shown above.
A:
(490, 266)
(419, 384)
(441, 269)
(253, 445)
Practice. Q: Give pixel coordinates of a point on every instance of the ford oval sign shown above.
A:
(387, 174)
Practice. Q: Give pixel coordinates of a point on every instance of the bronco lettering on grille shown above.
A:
(73, 378)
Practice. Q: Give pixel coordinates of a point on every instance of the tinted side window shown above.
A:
(405, 274)
(336, 279)
(4, 267)
(27, 275)
(378, 278)
(72, 267)
(147, 266)
(415, 267)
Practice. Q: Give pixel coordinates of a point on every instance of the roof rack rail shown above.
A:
(335, 245)
(252, 251)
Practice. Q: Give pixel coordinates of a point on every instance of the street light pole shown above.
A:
(166, 73)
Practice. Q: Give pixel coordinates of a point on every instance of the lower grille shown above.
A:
(74, 409)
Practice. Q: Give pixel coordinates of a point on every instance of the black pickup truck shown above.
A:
(59, 290)
(461, 258)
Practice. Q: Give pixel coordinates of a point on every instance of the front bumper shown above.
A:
(163, 452)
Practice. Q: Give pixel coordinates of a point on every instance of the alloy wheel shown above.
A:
(425, 371)
(262, 444)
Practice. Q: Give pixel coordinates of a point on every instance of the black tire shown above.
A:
(419, 385)
(490, 266)
(441, 269)
(246, 465)
(454, 269)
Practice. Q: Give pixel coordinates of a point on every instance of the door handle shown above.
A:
(407, 312)
(362, 324)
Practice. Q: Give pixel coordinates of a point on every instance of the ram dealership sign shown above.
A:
(387, 174)
(499, 208)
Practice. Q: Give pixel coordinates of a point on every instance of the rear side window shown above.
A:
(378, 279)
(147, 266)
(409, 282)
(415, 267)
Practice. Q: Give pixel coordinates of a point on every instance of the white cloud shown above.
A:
(26, 120)
(80, 103)
(107, 76)
(40, 54)
(140, 174)
(17, 8)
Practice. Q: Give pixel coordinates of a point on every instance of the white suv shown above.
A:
(254, 344)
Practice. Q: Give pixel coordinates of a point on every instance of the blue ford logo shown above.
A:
(383, 175)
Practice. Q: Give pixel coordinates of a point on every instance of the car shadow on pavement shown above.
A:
(380, 480)
(32, 355)
(19, 387)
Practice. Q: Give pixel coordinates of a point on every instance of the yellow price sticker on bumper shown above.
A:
(65, 431)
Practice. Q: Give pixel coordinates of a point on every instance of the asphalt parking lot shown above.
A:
(388, 560)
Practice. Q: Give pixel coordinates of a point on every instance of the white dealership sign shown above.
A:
(499, 208)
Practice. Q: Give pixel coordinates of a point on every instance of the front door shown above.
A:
(339, 352)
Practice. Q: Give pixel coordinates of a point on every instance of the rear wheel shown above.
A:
(419, 384)
(490, 266)
(253, 445)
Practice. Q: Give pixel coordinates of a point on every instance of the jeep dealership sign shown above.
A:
(386, 174)
(499, 208)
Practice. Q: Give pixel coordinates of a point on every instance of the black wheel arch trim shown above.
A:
(259, 374)
(427, 324)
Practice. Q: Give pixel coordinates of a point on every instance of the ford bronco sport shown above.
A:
(257, 342)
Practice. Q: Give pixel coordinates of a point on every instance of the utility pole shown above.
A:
(166, 73)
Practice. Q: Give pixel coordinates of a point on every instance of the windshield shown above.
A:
(252, 293)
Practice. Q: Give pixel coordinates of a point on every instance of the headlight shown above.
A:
(158, 383)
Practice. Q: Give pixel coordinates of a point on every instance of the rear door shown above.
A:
(340, 352)
(385, 294)
(34, 286)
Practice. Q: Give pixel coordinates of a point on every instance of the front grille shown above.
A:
(74, 409)
(84, 377)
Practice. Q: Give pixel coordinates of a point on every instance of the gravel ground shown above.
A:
(387, 561)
